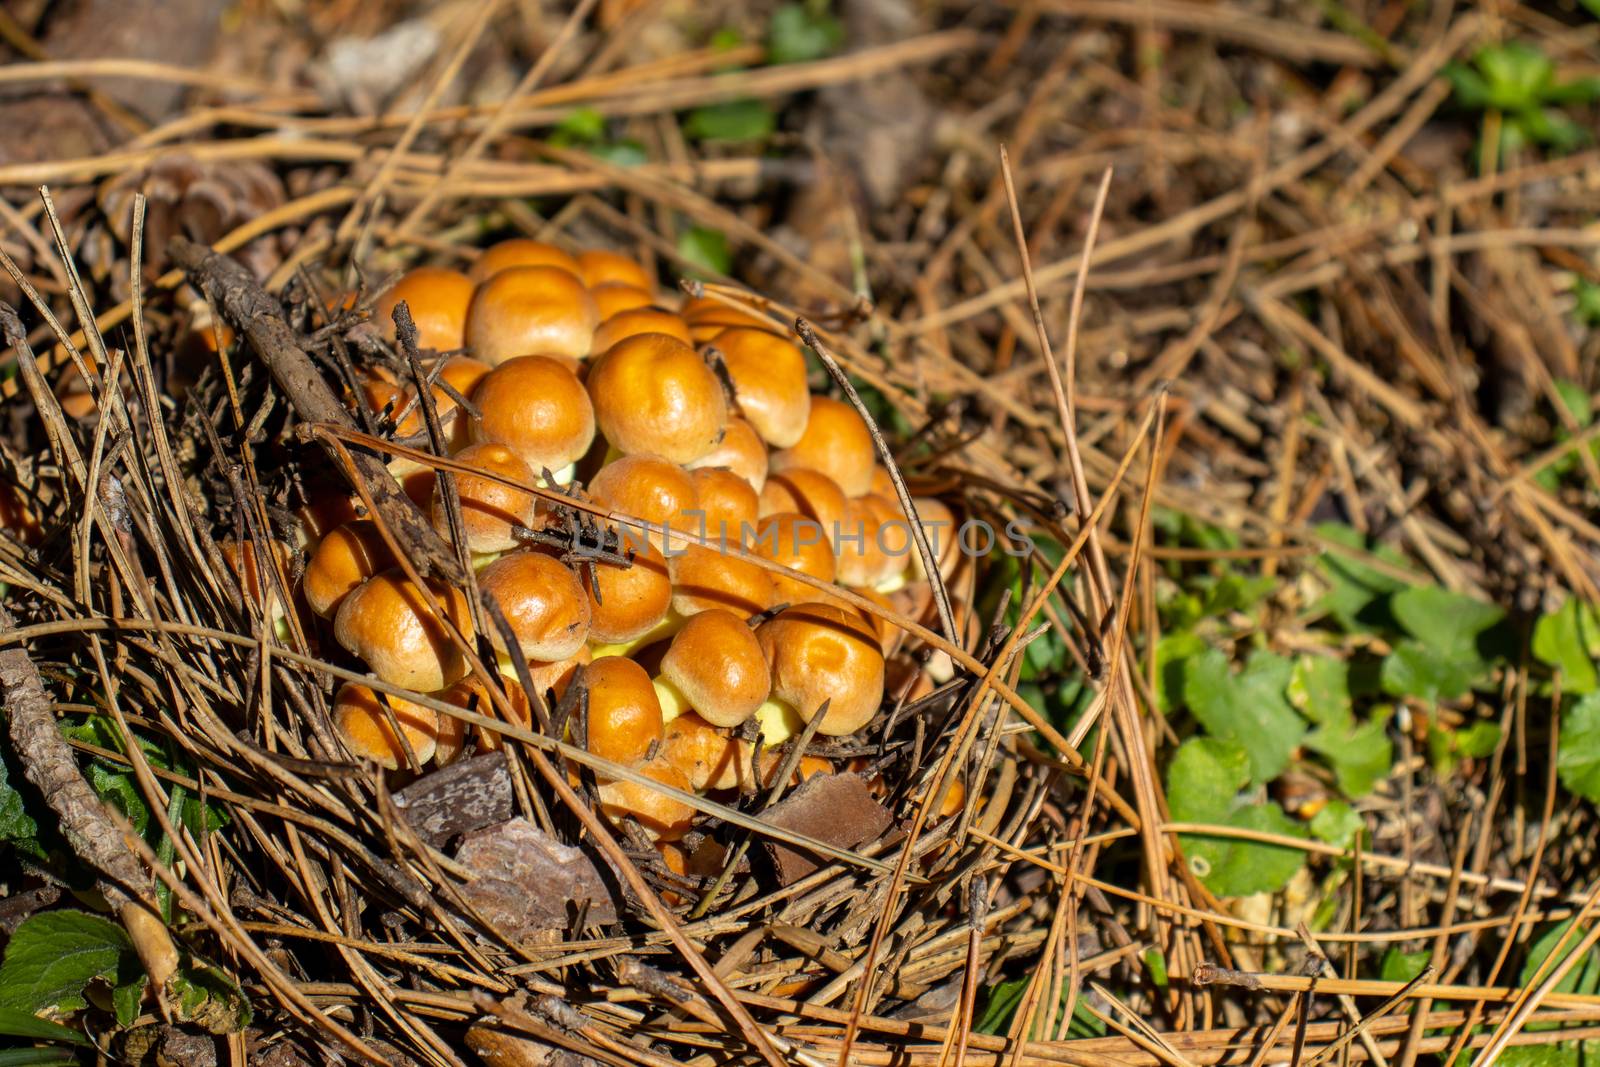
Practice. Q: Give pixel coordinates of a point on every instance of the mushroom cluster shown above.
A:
(569, 373)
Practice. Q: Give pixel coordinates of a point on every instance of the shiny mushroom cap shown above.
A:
(490, 509)
(437, 298)
(462, 373)
(597, 267)
(718, 665)
(728, 502)
(809, 493)
(709, 758)
(390, 624)
(837, 443)
(624, 714)
(531, 311)
(648, 487)
(613, 298)
(662, 817)
(521, 252)
(366, 724)
(800, 543)
(704, 578)
(626, 603)
(874, 545)
(769, 383)
(822, 653)
(741, 451)
(636, 321)
(708, 318)
(543, 602)
(653, 393)
(348, 556)
(536, 407)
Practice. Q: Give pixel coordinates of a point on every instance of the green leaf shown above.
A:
(1561, 1054)
(621, 153)
(1401, 966)
(118, 789)
(125, 999)
(1204, 779)
(798, 34)
(1414, 670)
(1234, 868)
(208, 997)
(1001, 1005)
(1579, 761)
(1479, 740)
(1575, 399)
(1231, 591)
(1358, 593)
(37, 1057)
(1173, 651)
(706, 248)
(1471, 88)
(735, 120)
(1155, 963)
(1337, 824)
(1203, 785)
(1361, 756)
(15, 822)
(1587, 308)
(1449, 623)
(1443, 660)
(725, 39)
(16, 1022)
(1320, 688)
(1518, 74)
(1004, 998)
(1569, 642)
(1249, 708)
(581, 126)
(53, 955)
(1583, 978)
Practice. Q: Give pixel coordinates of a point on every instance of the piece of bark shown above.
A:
(256, 315)
(526, 882)
(465, 796)
(836, 809)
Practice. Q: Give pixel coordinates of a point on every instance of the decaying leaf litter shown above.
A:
(1296, 757)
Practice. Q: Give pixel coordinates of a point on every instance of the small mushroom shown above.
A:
(531, 311)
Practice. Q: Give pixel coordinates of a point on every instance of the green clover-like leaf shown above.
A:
(1249, 707)
(1579, 762)
(1203, 786)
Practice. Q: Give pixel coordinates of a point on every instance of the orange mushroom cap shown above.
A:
(653, 393)
(717, 663)
(531, 311)
(363, 722)
(836, 442)
(741, 451)
(437, 298)
(624, 713)
(598, 267)
(535, 406)
(821, 653)
(348, 556)
(490, 510)
(799, 543)
(769, 383)
(543, 602)
(389, 623)
(521, 252)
